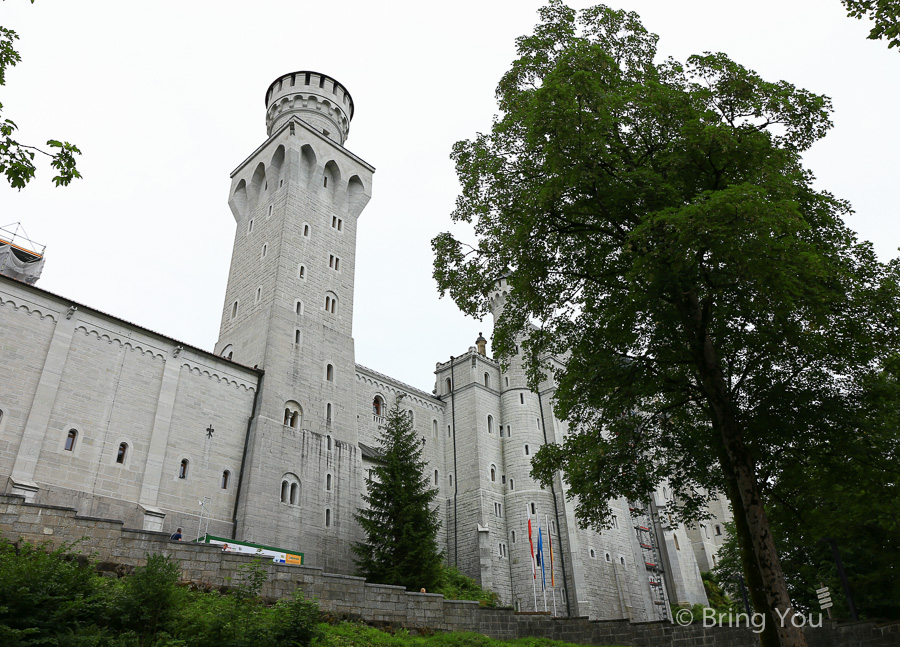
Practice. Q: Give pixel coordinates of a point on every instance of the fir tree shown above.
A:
(400, 524)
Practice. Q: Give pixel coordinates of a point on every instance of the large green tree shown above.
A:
(658, 229)
(884, 13)
(399, 521)
(16, 158)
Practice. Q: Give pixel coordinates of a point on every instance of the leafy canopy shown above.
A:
(399, 523)
(884, 13)
(16, 158)
(658, 230)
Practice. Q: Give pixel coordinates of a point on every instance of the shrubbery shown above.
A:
(48, 598)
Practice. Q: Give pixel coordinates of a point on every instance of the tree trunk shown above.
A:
(740, 464)
(768, 637)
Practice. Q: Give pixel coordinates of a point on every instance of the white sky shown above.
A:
(165, 99)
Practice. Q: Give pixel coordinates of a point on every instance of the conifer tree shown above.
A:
(400, 524)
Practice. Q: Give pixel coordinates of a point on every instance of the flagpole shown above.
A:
(541, 560)
(552, 578)
(533, 569)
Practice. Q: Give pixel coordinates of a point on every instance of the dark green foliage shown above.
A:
(48, 598)
(147, 601)
(45, 595)
(400, 524)
(721, 321)
(17, 159)
(884, 13)
(456, 586)
(717, 597)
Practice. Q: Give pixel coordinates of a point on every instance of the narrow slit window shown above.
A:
(326, 181)
(250, 227)
(297, 337)
(521, 398)
(301, 272)
(435, 477)
(284, 491)
(183, 469)
(328, 482)
(226, 475)
(120, 455)
(306, 230)
(234, 309)
(294, 497)
(329, 373)
(70, 440)
(527, 451)
(328, 420)
(327, 518)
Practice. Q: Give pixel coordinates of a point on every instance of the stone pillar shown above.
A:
(159, 440)
(41, 407)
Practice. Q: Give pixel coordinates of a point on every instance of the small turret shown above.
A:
(481, 343)
(316, 98)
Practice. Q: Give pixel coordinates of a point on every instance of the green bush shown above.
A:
(456, 586)
(47, 597)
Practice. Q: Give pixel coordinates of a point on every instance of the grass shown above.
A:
(347, 634)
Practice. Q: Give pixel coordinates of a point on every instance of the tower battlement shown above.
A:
(316, 98)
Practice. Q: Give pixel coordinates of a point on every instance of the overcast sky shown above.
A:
(165, 99)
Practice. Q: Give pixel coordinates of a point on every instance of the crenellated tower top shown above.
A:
(316, 98)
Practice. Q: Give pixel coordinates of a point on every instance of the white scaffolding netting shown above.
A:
(27, 271)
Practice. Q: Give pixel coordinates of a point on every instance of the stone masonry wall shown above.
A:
(353, 597)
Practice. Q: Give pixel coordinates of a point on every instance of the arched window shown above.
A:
(537, 421)
(298, 307)
(226, 476)
(265, 250)
(493, 474)
(718, 531)
(512, 484)
(306, 230)
(434, 428)
(123, 450)
(506, 381)
(513, 534)
(183, 468)
(329, 373)
(608, 557)
(490, 424)
(622, 561)
(521, 398)
(705, 530)
(448, 385)
(234, 309)
(487, 380)
(449, 433)
(328, 414)
(70, 440)
(295, 493)
(527, 451)
(451, 480)
(301, 272)
(592, 554)
(297, 337)
(508, 431)
(328, 439)
(328, 482)
(330, 302)
(412, 417)
(378, 406)
(293, 414)
(532, 508)
(285, 488)
(435, 477)
(327, 517)
(258, 294)
(665, 493)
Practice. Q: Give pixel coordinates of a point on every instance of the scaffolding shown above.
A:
(643, 527)
(20, 257)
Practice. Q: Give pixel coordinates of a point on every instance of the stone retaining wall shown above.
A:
(353, 597)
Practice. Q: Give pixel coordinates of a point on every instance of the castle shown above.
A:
(270, 438)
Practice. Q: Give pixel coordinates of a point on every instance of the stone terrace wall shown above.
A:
(353, 597)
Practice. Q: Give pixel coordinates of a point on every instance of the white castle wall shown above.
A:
(295, 201)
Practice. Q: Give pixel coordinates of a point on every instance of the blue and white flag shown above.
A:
(540, 557)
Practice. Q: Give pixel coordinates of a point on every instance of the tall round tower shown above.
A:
(316, 98)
